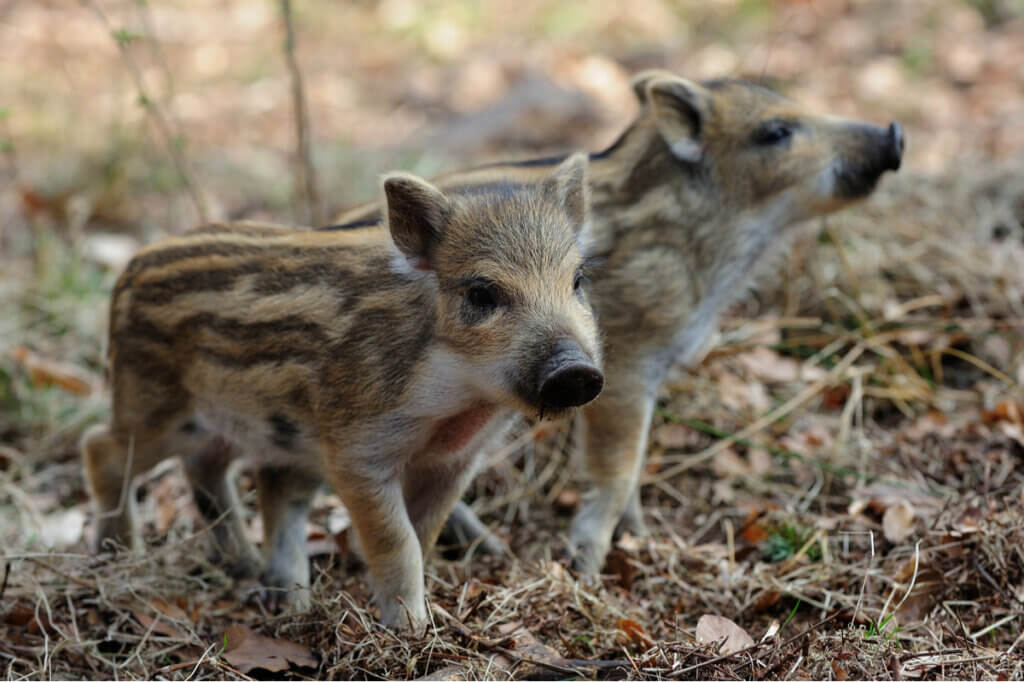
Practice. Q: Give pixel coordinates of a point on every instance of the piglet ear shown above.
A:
(642, 79)
(568, 185)
(416, 213)
(681, 111)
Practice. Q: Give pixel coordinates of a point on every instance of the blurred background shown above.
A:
(435, 85)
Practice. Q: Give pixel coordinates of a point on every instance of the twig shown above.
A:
(62, 574)
(7, 574)
(305, 172)
(163, 126)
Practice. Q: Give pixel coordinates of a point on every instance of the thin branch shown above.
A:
(163, 126)
(305, 172)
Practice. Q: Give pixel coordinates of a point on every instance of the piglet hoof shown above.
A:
(586, 561)
(401, 617)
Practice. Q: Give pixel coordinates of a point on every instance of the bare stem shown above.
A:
(156, 114)
(305, 172)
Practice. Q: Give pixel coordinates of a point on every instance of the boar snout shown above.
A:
(568, 378)
(895, 146)
(867, 152)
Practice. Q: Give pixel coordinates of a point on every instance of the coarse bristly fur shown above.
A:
(373, 360)
(688, 205)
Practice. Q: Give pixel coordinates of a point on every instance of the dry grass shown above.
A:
(842, 475)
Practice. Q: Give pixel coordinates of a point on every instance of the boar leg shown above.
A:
(217, 500)
(615, 440)
(388, 540)
(464, 527)
(285, 496)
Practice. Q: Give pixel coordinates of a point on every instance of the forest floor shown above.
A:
(835, 492)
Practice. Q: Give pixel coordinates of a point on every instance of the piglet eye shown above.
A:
(484, 296)
(772, 133)
(577, 281)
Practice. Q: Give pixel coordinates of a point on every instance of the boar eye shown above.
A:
(484, 295)
(578, 281)
(772, 133)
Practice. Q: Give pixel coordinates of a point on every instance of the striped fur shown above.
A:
(374, 359)
(688, 205)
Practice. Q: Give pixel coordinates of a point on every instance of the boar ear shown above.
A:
(641, 80)
(681, 108)
(417, 213)
(568, 185)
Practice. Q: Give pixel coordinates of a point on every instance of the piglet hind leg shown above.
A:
(208, 470)
(285, 496)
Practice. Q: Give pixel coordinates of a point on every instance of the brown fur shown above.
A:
(688, 204)
(372, 359)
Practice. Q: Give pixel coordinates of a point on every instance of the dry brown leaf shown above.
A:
(619, 564)
(1013, 431)
(898, 522)
(525, 645)
(771, 367)
(727, 463)
(247, 650)
(173, 611)
(52, 373)
(634, 633)
(159, 626)
(671, 435)
(738, 394)
(567, 501)
(1004, 411)
(715, 629)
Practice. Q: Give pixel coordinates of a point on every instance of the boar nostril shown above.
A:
(896, 145)
(571, 385)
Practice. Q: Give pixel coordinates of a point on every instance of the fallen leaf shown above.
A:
(618, 563)
(715, 629)
(898, 522)
(727, 463)
(1013, 430)
(629, 542)
(671, 435)
(738, 394)
(172, 611)
(838, 671)
(62, 529)
(771, 367)
(567, 501)
(247, 650)
(765, 600)
(159, 626)
(525, 645)
(634, 633)
(1004, 411)
(52, 373)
